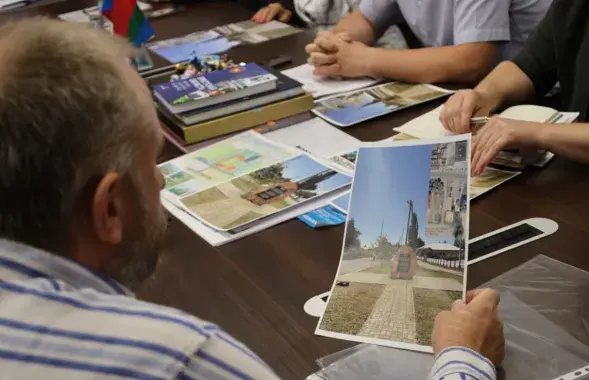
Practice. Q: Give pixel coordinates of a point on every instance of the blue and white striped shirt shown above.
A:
(59, 320)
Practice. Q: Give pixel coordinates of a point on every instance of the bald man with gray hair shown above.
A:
(81, 224)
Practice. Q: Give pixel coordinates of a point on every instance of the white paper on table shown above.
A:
(76, 16)
(10, 3)
(428, 125)
(219, 238)
(324, 86)
(317, 137)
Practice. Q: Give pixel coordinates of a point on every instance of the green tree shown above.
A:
(413, 232)
(420, 243)
(271, 174)
(435, 184)
(352, 238)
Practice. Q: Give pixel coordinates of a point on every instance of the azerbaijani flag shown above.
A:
(127, 20)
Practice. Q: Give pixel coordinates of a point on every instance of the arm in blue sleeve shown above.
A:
(459, 363)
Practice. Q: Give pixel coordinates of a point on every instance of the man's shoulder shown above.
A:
(129, 316)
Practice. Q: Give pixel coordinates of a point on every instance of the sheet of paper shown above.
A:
(326, 86)
(263, 193)
(76, 16)
(249, 32)
(488, 180)
(354, 107)
(200, 43)
(428, 126)
(219, 238)
(317, 137)
(394, 277)
(222, 162)
(10, 3)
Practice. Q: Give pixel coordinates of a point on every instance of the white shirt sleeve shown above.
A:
(481, 21)
(462, 363)
(381, 13)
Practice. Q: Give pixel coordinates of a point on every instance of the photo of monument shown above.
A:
(394, 277)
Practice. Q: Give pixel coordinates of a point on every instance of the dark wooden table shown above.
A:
(255, 288)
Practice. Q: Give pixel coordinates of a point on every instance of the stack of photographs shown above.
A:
(230, 186)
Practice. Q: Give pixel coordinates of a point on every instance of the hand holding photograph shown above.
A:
(404, 253)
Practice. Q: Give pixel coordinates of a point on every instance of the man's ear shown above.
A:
(108, 209)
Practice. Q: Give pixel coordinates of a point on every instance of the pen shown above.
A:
(479, 120)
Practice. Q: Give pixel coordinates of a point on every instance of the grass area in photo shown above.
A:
(428, 303)
(349, 307)
(386, 268)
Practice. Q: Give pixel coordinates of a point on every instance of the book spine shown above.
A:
(245, 120)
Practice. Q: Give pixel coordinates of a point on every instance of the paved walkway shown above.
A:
(393, 316)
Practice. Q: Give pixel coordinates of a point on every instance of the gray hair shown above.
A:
(68, 116)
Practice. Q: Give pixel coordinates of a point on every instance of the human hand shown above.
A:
(336, 55)
(498, 134)
(274, 11)
(464, 105)
(474, 324)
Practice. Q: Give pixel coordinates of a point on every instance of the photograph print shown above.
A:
(354, 107)
(394, 277)
(264, 192)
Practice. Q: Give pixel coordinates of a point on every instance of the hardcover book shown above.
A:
(214, 88)
(286, 88)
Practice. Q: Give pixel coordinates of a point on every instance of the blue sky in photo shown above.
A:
(342, 202)
(386, 178)
(303, 166)
(354, 114)
(182, 52)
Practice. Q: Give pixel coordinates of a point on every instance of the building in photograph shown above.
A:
(448, 183)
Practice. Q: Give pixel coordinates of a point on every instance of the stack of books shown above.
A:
(225, 101)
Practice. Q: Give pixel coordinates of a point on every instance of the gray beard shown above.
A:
(139, 252)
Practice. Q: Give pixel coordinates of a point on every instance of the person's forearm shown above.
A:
(358, 27)
(506, 85)
(463, 363)
(568, 140)
(463, 64)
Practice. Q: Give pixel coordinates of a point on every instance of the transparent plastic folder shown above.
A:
(544, 314)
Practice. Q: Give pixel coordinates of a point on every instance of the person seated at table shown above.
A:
(463, 40)
(82, 223)
(320, 15)
(274, 11)
(558, 52)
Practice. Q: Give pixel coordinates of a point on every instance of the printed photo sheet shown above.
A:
(489, 179)
(244, 179)
(403, 255)
(354, 107)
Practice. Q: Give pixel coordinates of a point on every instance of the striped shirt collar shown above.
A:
(35, 263)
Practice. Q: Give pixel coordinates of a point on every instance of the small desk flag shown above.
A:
(128, 20)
